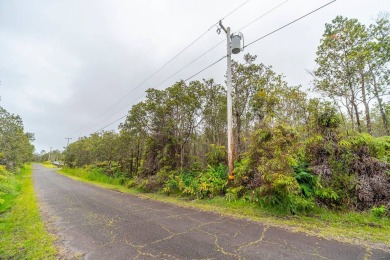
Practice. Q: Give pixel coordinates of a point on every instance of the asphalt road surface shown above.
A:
(96, 223)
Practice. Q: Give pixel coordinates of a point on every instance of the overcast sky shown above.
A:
(63, 64)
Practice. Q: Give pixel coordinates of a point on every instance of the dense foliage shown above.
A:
(292, 152)
(15, 150)
(15, 144)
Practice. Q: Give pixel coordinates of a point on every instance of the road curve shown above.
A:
(96, 223)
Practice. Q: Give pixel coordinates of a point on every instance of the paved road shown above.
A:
(96, 223)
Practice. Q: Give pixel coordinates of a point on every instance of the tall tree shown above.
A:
(378, 51)
(353, 67)
(337, 74)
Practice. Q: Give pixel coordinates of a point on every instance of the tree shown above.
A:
(15, 144)
(353, 67)
(214, 114)
(337, 74)
(378, 63)
(261, 96)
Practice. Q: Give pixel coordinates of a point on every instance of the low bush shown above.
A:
(208, 183)
(380, 211)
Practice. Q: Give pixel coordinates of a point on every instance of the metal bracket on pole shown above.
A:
(223, 27)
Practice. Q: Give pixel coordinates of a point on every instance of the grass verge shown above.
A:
(48, 164)
(352, 227)
(22, 232)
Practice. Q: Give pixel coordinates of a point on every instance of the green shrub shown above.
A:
(213, 181)
(281, 192)
(377, 147)
(217, 155)
(307, 181)
(148, 184)
(208, 183)
(244, 172)
(380, 211)
(233, 193)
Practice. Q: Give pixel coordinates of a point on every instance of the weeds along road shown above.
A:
(96, 223)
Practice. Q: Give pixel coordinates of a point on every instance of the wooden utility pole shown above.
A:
(68, 138)
(229, 101)
(50, 153)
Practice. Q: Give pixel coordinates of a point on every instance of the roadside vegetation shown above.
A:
(22, 233)
(49, 164)
(317, 162)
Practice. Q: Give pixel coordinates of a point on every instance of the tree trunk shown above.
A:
(381, 109)
(342, 115)
(366, 106)
(181, 156)
(350, 113)
(238, 125)
(355, 107)
(131, 164)
(137, 158)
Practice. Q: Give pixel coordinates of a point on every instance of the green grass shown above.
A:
(9, 189)
(48, 164)
(95, 175)
(22, 233)
(353, 227)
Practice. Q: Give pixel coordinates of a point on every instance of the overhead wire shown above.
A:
(209, 66)
(212, 64)
(261, 16)
(238, 7)
(163, 66)
(258, 39)
(212, 48)
(284, 26)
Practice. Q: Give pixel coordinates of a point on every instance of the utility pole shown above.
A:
(229, 98)
(68, 138)
(50, 153)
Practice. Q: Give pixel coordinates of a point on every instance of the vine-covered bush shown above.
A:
(373, 187)
(354, 168)
(209, 183)
(268, 170)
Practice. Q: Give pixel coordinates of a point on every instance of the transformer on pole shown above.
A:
(233, 46)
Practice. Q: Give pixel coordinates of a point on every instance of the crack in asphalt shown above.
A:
(256, 241)
(95, 223)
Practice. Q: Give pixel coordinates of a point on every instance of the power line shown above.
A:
(261, 16)
(203, 54)
(163, 66)
(209, 66)
(233, 11)
(117, 119)
(110, 124)
(212, 48)
(212, 64)
(268, 34)
(170, 78)
(188, 64)
(284, 26)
